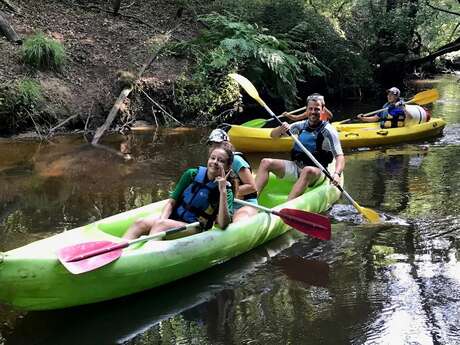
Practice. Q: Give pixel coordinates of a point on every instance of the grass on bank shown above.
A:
(43, 53)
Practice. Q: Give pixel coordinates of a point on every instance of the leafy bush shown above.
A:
(229, 45)
(341, 60)
(204, 97)
(278, 16)
(29, 94)
(19, 102)
(42, 52)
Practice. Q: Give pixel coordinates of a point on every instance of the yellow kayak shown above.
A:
(248, 139)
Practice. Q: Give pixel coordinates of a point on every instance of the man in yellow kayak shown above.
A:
(326, 114)
(395, 113)
(318, 137)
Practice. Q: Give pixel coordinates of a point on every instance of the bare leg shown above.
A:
(307, 176)
(243, 213)
(266, 166)
(140, 227)
(164, 224)
(150, 225)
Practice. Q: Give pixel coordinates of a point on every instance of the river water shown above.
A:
(393, 283)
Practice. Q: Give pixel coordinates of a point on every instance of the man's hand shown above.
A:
(335, 179)
(284, 128)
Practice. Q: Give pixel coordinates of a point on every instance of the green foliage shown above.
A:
(228, 45)
(335, 58)
(29, 94)
(203, 96)
(42, 52)
(19, 101)
(278, 16)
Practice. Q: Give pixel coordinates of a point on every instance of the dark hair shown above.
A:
(222, 144)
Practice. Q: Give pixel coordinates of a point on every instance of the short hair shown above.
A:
(316, 97)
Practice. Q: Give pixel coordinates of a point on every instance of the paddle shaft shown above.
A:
(290, 113)
(279, 214)
(128, 243)
(378, 111)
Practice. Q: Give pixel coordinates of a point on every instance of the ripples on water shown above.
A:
(397, 282)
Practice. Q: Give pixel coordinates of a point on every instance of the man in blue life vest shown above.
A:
(395, 113)
(320, 138)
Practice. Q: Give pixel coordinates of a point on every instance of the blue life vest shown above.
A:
(312, 139)
(392, 117)
(199, 202)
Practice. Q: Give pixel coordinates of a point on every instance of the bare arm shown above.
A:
(373, 118)
(280, 130)
(168, 208)
(328, 113)
(339, 166)
(248, 185)
(298, 117)
(223, 216)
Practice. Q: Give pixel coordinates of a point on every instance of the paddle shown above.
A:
(369, 214)
(312, 224)
(259, 123)
(421, 98)
(88, 256)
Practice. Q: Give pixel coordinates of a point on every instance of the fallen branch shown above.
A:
(37, 128)
(161, 108)
(125, 93)
(113, 112)
(8, 30)
(155, 117)
(61, 124)
(11, 6)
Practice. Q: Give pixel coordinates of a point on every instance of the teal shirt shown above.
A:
(186, 179)
(238, 164)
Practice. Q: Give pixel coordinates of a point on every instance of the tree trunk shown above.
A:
(8, 31)
(450, 47)
(116, 6)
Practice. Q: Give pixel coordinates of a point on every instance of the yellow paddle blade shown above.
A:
(370, 215)
(425, 97)
(248, 87)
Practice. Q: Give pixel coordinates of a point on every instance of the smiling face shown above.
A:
(218, 159)
(314, 108)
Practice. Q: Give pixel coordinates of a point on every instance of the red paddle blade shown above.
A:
(313, 224)
(67, 254)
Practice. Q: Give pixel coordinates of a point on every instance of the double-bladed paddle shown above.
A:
(369, 214)
(88, 256)
(313, 224)
(259, 123)
(421, 98)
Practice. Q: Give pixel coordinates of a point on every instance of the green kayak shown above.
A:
(32, 278)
